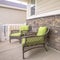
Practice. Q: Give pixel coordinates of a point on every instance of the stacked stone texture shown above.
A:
(53, 23)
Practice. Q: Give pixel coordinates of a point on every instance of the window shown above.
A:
(32, 7)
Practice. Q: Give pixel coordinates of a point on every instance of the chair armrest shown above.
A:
(30, 33)
(14, 31)
(33, 36)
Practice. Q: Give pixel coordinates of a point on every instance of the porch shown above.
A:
(13, 51)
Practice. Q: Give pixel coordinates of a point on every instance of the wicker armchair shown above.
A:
(37, 40)
(17, 34)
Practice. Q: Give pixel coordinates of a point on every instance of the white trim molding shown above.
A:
(56, 12)
(2, 5)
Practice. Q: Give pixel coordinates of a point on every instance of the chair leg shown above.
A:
(10, 40)
(20, 39)
(23, 52)
(45, 46)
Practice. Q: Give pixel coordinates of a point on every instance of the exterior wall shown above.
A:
(44, 6)
(11, 18)
(12, 15)
(53, 22)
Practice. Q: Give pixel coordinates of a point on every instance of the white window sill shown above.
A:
(56, 12)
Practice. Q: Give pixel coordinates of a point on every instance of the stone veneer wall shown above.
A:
(53, 22)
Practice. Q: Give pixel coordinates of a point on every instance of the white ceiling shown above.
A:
(19, 1)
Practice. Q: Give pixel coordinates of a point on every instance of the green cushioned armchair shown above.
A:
(17, 34)
(35, 40)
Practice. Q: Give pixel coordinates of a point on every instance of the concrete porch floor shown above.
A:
(13, 51)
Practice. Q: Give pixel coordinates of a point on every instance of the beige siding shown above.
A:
(12, 16)
(43, 6)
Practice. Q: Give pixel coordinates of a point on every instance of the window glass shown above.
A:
(32, 7)
(33, 10)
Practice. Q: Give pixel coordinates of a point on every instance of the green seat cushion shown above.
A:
(16, 34)
(41, 31)
(24, 27)
(33, 41)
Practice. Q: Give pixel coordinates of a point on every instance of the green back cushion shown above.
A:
(41, 31)
(24, 27)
